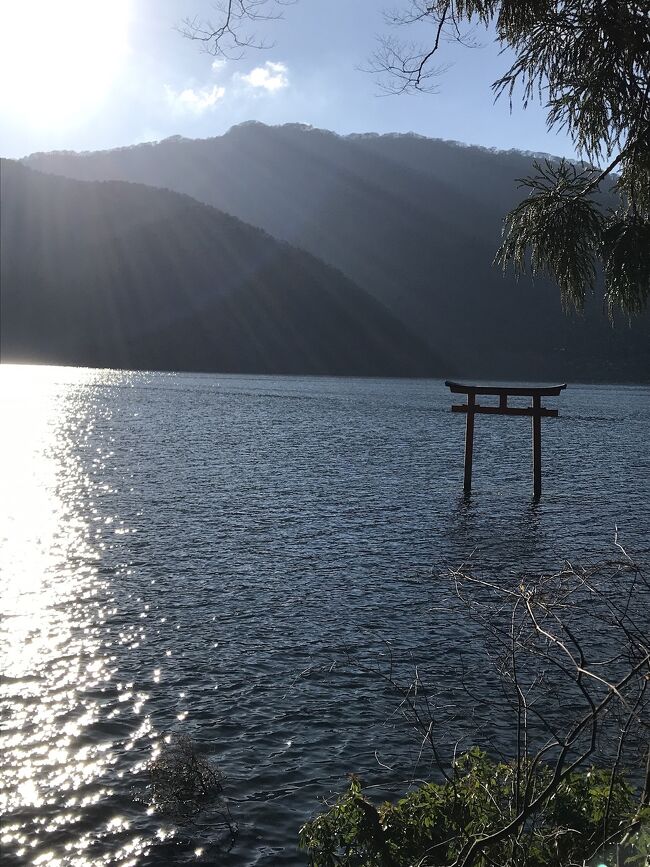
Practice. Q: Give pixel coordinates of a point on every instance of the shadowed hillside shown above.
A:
(414, 221)
(123, 275)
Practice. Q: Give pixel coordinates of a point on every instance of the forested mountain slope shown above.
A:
(123, 275)
(414, 221)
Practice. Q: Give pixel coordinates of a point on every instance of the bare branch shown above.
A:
(230, 36)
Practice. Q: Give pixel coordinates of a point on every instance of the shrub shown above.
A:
(454, 822)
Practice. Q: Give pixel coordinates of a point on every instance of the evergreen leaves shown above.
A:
(626, 258)
(556, 230)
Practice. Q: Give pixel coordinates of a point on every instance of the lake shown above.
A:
(195, 553)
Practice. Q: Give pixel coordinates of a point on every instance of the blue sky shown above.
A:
(108, 73)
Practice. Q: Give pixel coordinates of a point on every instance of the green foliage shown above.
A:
(560, 232)
(640, 841)
(625, 249)
(558, 229)
(486, 806)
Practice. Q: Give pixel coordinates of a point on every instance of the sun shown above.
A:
(60, 58)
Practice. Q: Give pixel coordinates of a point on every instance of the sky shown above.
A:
(95, 74)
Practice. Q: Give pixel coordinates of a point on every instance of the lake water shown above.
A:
(193, 553)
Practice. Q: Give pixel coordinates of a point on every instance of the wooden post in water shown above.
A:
(537, 446)
(535, 411)
(469, 443)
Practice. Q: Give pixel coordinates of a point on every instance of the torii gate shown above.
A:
(535, 410)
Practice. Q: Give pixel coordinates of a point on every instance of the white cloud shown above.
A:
(195, 100)
(218, 64)
(270, 77)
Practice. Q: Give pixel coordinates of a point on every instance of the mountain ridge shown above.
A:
(302, 127)
(113, 273)
(414, 221)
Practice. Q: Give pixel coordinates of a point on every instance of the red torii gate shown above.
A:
(535, 410)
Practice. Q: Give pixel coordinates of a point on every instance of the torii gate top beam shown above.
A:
(514, 390)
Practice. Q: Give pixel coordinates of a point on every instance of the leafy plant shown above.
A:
(440, 823)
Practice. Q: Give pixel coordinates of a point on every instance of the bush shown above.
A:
(454, 822)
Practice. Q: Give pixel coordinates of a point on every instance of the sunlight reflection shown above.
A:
(54, 661)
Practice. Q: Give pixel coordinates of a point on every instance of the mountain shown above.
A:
(414, 221)
(122, 275)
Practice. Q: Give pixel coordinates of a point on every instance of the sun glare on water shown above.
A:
(58, 60)
(59, 699)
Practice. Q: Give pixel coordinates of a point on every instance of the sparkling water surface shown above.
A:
(193, 553)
